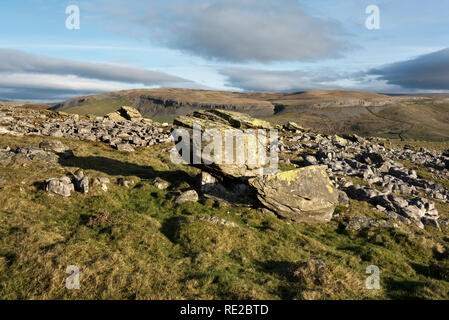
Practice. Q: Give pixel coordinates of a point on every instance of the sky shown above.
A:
(238, 45)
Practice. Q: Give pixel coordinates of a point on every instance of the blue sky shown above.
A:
(244, 45)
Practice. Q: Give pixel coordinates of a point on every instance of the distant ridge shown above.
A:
(418, 116)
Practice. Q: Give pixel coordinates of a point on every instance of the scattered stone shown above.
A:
(187, 196)
(81, 182)
(360, 223)
(102, 182)
(310, 160)
(124, 183)
(430, 222)
(62, 186)
(293, 126)
(343, 199)
(160, 183)
(110, 129)
(115, 116)
(6, 158)
(55, 146)
(444, 222)
(3, 130)
(218, 221)
(125, 147)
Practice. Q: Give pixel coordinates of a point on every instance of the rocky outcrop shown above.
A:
(157, 106)
(27, 154)
(112, 130)
(304, 194)
(390, 187)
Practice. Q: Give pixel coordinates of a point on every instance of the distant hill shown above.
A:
(330, 111)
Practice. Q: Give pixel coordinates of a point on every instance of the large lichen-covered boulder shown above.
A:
(222, 120)
(304, 194)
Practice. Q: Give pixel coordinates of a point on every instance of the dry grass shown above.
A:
(132, 243)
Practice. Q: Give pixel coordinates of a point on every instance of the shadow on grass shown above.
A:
(170, 227)
(284, 270)
(404, 289)
(115, 167)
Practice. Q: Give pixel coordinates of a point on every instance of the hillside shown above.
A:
(132, 238)
(329, 111)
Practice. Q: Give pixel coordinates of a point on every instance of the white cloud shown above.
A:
(30, 76)
(231, 30)
(251, 79)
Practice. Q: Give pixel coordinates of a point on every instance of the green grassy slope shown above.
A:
(149, 249)
(424, 122)
(99, 107)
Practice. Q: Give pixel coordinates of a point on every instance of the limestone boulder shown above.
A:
(55, 146)
(304, 194)
(62, 186)
(222, 120)
(130, 113)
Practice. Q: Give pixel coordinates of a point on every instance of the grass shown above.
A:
(99, 107)
(147, 248)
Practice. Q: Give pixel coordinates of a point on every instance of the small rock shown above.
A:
(62, 186)
(310, 160)
(343, 199)
(53, 146)
(82, 185)
(125, 147)
(124, 183)
(160, 183)
(430, 222)
(218, 221)
(187, 196)
(102, 182)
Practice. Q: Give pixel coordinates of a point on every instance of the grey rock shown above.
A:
(55, 146)
(430, 222)
(160, 183)
(187, 196)
(62, 186)
(125, 147)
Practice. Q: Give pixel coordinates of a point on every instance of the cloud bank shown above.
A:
(251, 79)
(233, 30)
(426, 72)
(30, 76)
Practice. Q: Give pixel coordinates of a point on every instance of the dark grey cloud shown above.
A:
(232, 30)
(250, 79)
(426, 72)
